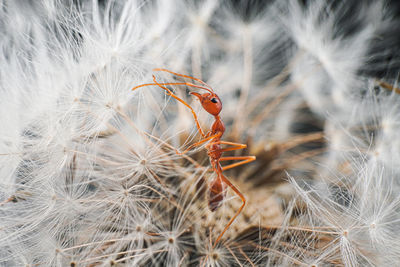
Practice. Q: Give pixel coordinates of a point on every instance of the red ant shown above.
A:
(213, 105)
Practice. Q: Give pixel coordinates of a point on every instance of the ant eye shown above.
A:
(214, 100)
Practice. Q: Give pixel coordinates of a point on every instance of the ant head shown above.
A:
(210, 102)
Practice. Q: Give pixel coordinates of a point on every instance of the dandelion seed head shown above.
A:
(91, 168)
(327, 68)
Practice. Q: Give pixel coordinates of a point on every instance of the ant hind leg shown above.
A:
(227, 182)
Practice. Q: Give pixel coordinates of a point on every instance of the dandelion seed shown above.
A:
(92, 169)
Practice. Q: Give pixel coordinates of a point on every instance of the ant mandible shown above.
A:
(213, 105)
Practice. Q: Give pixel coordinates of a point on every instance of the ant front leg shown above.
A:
(183, 102)
(208, 138)
(388, 86)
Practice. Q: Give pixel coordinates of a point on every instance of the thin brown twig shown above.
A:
(301, 139)
(294, 260)
(246, 257)
(233, 254)
(297, 158)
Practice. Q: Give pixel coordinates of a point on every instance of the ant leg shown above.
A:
(182, 75)
(181, 83)
(388, 86)
(244, 160)
(183, 102)
(236, 146)
(227, 182)
(208, 137)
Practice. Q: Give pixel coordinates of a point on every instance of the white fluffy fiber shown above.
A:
(81, 154)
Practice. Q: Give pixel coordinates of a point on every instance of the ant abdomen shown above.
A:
(216, 194)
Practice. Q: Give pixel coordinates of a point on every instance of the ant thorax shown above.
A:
(218, 127)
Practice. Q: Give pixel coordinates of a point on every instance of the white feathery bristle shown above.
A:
(94, 166)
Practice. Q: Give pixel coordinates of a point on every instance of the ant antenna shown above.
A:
(190, 77)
